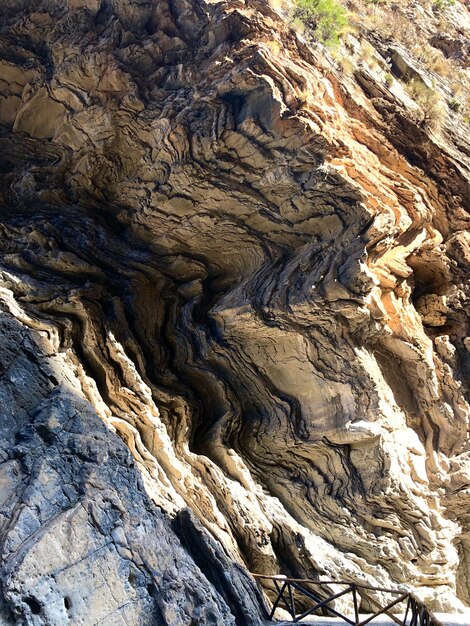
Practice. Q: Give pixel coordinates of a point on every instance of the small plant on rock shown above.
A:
(455, 105)
(347, 66)
(433, 59)
(327, 18)
(274, 46)
(440, 5)
(429, 102)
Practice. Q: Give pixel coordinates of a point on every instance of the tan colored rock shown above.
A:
(13, 80)
(39, 115)
(433, 309)
(92, 6)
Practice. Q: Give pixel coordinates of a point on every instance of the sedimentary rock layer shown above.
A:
(235, 317)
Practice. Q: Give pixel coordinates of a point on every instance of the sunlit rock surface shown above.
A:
(235, 330)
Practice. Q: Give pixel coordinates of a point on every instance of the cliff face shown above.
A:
(235, 305)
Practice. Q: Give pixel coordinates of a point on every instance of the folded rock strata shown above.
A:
(235, 305)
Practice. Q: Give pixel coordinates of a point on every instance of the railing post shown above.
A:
(406, 612)
(356, 606)
(423, 615)
(414, 613)
(291, 601)
(278, 599)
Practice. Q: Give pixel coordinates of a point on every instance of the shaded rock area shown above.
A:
(81, 541)
(235, 328)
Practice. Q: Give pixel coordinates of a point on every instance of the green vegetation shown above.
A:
(455, 105)
(431, 58)
(439, 5)
(388, 79)
(327, 18)
(429, 102)
(347, 66)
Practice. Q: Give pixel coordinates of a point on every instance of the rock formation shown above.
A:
(235, 305)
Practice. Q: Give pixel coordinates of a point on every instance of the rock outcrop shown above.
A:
(235, 303)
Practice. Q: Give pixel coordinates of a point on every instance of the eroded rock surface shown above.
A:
(235, 328)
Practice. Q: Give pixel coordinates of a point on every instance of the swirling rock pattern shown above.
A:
(235, 317)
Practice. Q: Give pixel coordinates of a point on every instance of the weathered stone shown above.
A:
(235, 330)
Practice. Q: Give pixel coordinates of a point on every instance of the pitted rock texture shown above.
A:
(235, 331)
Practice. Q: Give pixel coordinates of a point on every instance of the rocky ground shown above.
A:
(235, 305)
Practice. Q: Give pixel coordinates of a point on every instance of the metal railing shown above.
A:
(292, 593)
